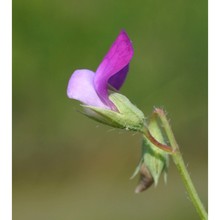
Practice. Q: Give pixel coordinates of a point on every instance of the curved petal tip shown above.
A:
(114, 67)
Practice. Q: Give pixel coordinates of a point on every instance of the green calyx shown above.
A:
(127, 117)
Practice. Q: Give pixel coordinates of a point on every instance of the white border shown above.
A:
(5, 110)
(214, 109)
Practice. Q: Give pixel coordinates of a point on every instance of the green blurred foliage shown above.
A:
(66, 166)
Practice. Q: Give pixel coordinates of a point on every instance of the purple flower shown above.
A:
(92, 88)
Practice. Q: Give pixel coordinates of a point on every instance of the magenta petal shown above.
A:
(81, 88)
(114, 67)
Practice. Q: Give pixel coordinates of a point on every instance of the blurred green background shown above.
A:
(66, 166)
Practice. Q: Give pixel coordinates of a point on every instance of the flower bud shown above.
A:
(154, 161)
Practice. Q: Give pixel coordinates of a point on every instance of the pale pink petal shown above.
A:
(81, 88)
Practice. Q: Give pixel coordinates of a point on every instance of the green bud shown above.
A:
(154, 161)
(127, 117)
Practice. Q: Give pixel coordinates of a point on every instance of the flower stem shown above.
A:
(179, 162)
(163, 147)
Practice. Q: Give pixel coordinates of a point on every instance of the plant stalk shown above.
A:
(179, 162)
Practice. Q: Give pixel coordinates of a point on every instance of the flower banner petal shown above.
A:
(115, 65)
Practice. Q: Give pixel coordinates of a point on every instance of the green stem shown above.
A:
(179, 162)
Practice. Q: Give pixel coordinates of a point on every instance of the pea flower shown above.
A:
(98, 91)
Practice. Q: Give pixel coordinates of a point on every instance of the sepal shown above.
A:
(127, 116)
